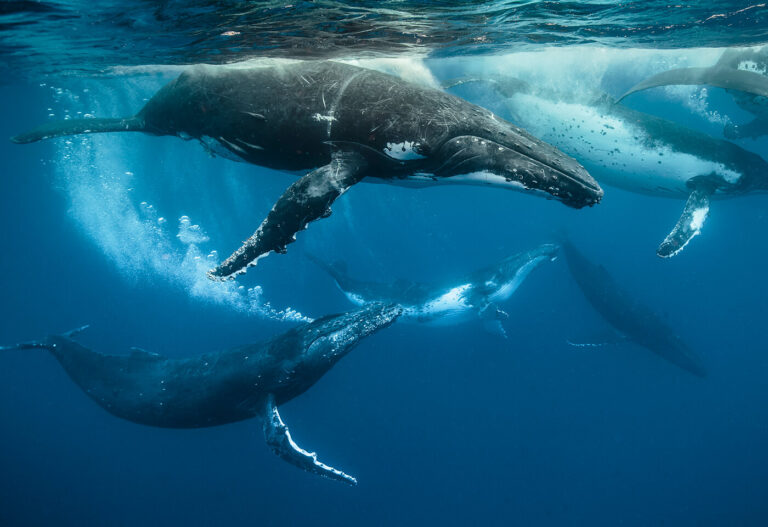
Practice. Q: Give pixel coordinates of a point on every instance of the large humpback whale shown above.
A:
(638, 152)
(477, 296)
(633, 320)
(343, 124)
(742, 72)
(221, 387)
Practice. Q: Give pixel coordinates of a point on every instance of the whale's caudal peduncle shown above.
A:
(342, 124)
(223, 387)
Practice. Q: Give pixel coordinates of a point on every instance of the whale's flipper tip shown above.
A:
(279, 439)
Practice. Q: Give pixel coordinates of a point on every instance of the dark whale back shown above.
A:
(219, 387)
(149, 389)
(288, 117)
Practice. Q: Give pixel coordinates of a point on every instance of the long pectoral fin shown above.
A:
(728, 78)
(495, 327)
(689, 225)
(492, 315)
(306, 200)
(279, 439)
(599, 340)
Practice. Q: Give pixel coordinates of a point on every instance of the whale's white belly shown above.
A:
(447, 308)
(614, 151)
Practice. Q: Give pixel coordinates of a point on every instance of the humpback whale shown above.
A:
(626, 315)
(341, 123)
(748, 86)
(221, 387)
(638, 152)
(476, 296)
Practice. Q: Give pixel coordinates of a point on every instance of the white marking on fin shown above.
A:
(279, 439)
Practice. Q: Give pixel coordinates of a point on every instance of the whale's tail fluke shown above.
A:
(42, 344)
(80, 126)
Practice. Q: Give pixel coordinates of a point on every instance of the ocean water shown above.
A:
(441, 425)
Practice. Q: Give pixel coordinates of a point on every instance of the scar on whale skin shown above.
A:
(339, 122)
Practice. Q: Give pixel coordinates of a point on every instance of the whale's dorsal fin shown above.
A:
(306, 200)
(691, 221)
(279, 439)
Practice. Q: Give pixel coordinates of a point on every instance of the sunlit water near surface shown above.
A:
(441, 425)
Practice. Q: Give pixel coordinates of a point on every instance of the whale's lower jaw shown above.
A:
(481, 178)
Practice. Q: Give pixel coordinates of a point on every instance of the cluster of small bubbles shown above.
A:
(697, 100)
(132, 232)
(189, 233)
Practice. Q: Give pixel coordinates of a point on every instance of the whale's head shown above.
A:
(526, 261)
(516, 160)
(306, 353)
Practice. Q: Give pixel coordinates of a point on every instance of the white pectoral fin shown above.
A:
(492, 315)
(690, 223)
(306, 200)
(279, 439)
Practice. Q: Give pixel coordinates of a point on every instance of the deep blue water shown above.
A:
(441, 426)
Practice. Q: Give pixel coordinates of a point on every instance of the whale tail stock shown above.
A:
(42, 344)
(80, 126)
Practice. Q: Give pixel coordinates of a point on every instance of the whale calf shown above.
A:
(341, 123)
(749, 87)
(476, 296)
(637, 152)
(626, 315)
(221, 387)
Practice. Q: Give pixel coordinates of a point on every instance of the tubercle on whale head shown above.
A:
(321, 344)
(523, 163)
(318, 346)
(333, 336)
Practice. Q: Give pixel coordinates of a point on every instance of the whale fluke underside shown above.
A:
(279, 439)
(728, 78)
(80, 126)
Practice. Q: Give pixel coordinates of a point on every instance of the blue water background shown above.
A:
(448, 426)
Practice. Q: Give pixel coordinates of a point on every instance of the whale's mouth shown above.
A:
(531, 166)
